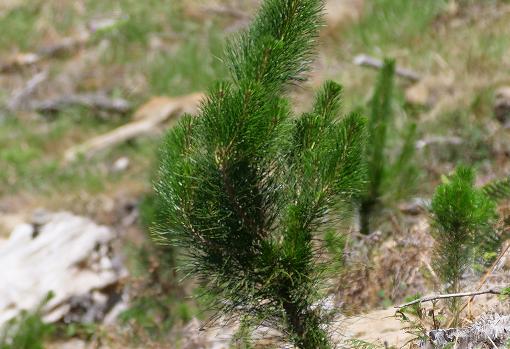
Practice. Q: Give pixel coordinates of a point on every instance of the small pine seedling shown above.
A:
(247, 189)
(385, 175)
(463, 216)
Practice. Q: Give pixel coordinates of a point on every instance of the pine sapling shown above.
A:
(462, 217)
(248, 190)
(386, 173)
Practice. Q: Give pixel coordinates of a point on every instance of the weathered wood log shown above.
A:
(490, 331)
(61, 253)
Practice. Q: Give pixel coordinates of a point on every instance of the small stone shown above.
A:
(121, 164)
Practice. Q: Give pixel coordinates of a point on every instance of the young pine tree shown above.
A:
(463, 218)
(386, 173)
(247, 189)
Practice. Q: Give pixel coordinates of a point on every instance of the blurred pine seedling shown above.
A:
(389, 176)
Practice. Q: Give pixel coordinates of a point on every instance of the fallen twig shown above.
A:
(19, 97)
(226, 10)
(368, 61)
(140, 126)
(91, 100)
(425, 142)
(67, 44)
(445, 296)
(20, 60)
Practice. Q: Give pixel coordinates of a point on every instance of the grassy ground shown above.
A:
(174, 47)
(150, 51)
(169, 48)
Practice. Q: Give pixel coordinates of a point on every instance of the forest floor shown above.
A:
(132, 51)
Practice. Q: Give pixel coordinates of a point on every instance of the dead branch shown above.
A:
(425, 142)
(19, 61)
(19, 98)
(226, 11)
(368, 61)
(445, 296)
(144, 123)
(491, 331)
(66, 45)
(98, 101)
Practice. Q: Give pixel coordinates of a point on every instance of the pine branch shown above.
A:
(278, 46)
(498, 189)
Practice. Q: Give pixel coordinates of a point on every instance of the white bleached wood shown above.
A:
(67, 255)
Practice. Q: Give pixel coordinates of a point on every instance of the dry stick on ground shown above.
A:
(67, 44)
(19, 98)
(91, 100)
(368, 61)
(425, 142)
(226, 10)
(151, 122)
(445, 296)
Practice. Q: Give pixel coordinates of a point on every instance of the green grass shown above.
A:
(18, 27)
(139, 20)
(394, 22)
(27, 330)
(31, 155)
(193, 67)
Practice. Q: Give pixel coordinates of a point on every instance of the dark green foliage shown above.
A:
(462, 220)
(27, 331)
(247, 189)
(498, 189)
(385, 173)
